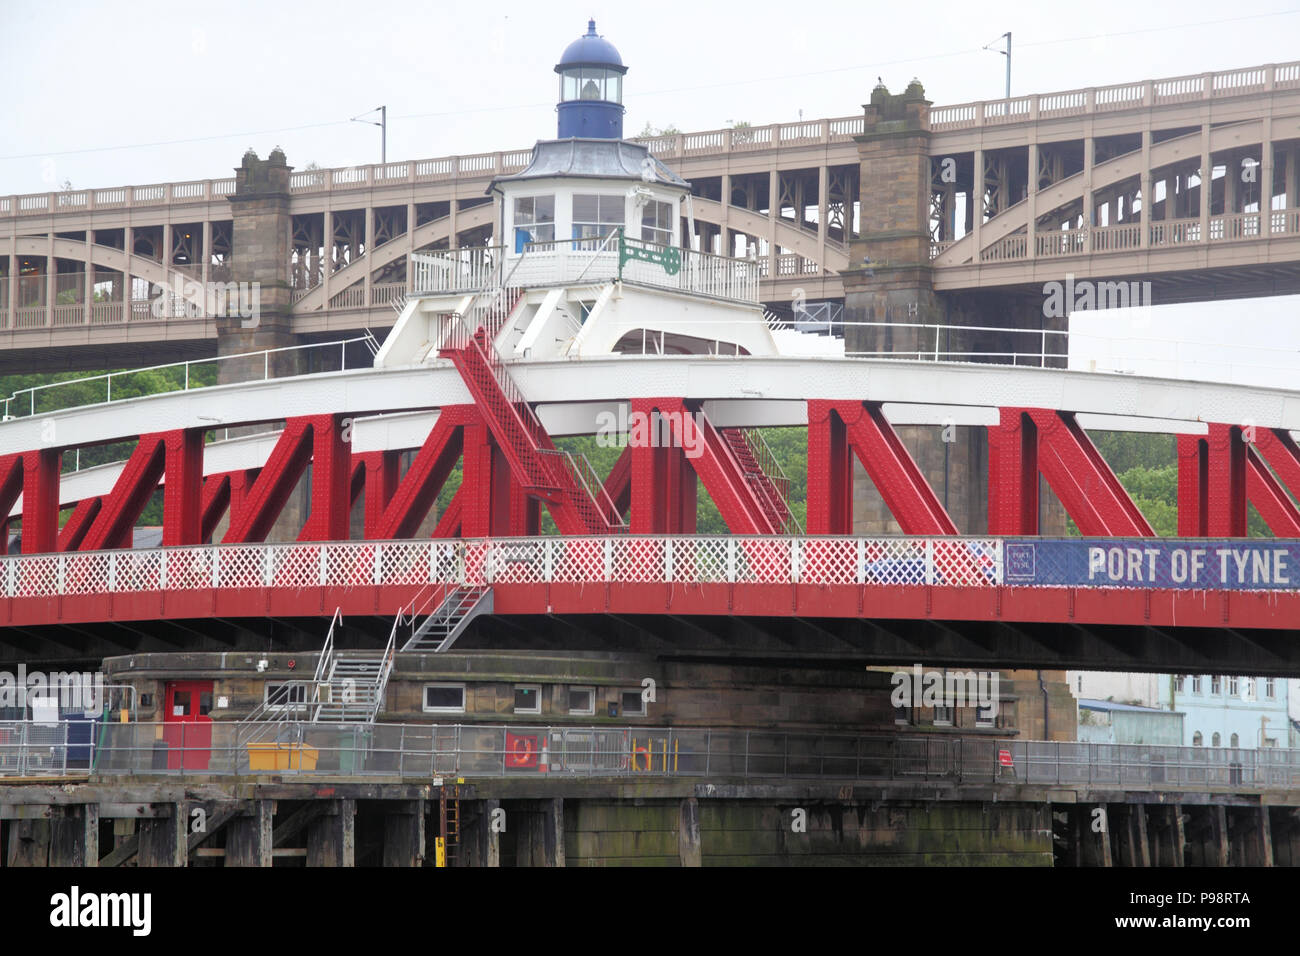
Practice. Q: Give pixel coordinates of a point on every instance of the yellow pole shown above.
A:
(439, 851)
(674, 756)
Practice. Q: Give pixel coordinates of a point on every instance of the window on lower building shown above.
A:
(596, 216)
(528, 699)
(582, 700)
(534, 220)
(657, 222)
(444, 698)
(903, 716)
(1214, 741)
(1197, 739)
(631, 703)
(281, 697)
(986, 717)
(942, 716)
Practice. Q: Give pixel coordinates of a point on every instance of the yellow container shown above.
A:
(282, 757)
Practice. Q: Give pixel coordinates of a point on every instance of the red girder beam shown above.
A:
(222, 492)
(404, 506)
(618, 484)
(1270, 498)
(331, 474)
(449, 521)
(661, 482)
(1013, 475)
(183, 488)
(688, 430)
(492, 501)
(1212, 483)
(1193, 484)
(1282, 452)
(78, 524)
(252, 519)
(896, 476)
(1070, 462)
(135, 484)
(34, 475)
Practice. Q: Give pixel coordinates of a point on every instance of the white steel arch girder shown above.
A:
(618, 378)
(392, 250)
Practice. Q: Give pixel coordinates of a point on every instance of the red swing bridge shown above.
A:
(626, 564)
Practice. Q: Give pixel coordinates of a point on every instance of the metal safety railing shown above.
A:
(246, 367)
(471, 750)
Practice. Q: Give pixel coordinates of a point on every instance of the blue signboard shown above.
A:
(1230, 564)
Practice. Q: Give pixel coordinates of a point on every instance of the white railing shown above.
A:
(455, 270)
(692, 559)
(592, 261)
(177, 376)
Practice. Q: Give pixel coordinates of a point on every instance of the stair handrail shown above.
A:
(766, 460)
(327, 652)
(381, 684)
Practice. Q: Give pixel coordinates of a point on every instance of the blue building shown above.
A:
(1231, 711)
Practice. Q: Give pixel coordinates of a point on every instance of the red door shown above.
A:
(188, 733)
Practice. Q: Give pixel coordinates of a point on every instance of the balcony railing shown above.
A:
(425, 751)
(589, 261)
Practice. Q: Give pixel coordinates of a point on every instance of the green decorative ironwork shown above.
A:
(668, 257)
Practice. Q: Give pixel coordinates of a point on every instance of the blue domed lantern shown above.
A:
(591, 88)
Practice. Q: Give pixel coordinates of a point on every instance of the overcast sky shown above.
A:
(212, 80)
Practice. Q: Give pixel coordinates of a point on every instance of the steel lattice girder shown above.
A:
(835, 427)
(1029, 441)
(396, 509)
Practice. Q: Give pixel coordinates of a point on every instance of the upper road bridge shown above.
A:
(877, 210)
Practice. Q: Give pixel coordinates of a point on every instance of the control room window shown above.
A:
(1178, 683)
(528, 699)
(281, 697)
(596, 216)
(1196, 684)
(1216, 685)
(657, 222)
(1234, 687)
(444, 698)
(582, 700)
(534, 220)
(1216, 740)
(631, 703)
(1196, 739)
(1235, 741)
(1268, 688)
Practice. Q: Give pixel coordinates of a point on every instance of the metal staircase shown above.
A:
(440, 629)
(352, 688)
(567, 482)
(764, 476)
